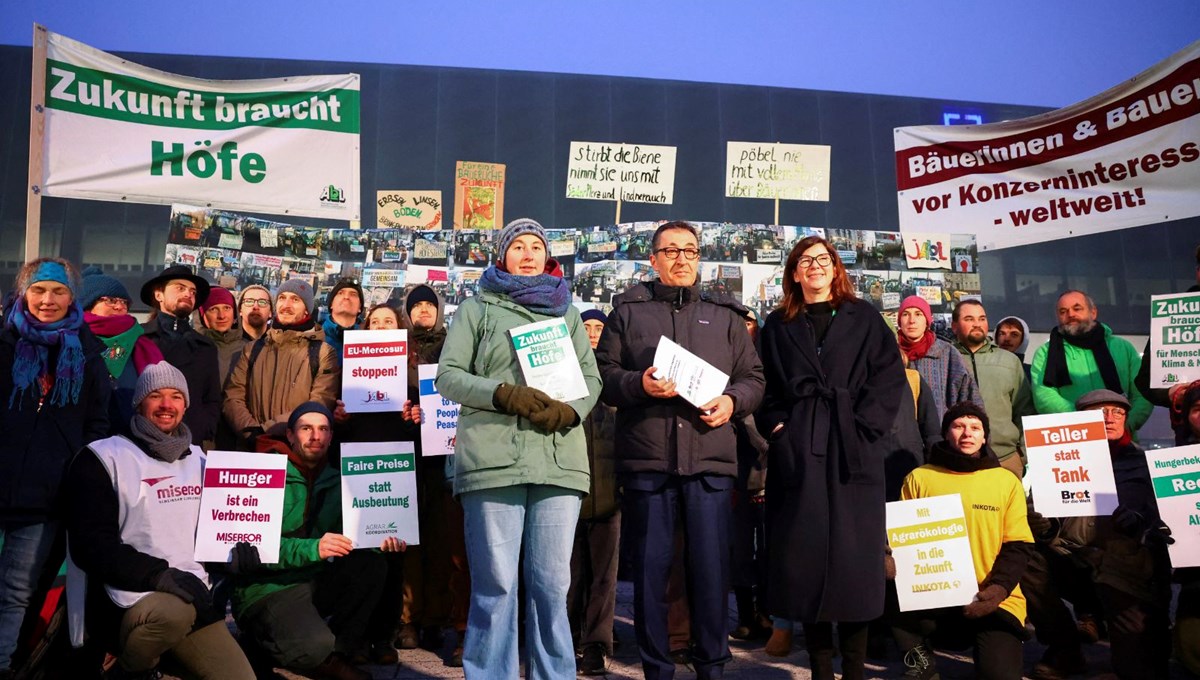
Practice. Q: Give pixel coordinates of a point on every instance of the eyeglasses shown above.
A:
(256, 303)
(823, 260)
(674, 253)
(1114, 412)
(112, 301)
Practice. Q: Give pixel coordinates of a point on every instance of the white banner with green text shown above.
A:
(118, 131)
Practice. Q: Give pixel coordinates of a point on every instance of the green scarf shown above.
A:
(120, 349)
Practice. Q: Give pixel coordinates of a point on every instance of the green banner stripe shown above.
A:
(1179, 485)
(374, 465)
(115, 96)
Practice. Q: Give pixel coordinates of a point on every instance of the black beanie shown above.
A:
(967, 408)
(309, 407)
(421, 293)
(345, 283)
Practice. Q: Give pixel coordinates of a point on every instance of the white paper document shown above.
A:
(695, 379)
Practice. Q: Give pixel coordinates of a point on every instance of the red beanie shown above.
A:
(918, 302)
(217, 296)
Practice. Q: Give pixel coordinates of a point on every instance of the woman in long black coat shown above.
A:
(834, 382)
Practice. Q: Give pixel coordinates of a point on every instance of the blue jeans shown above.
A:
(497, 520)
(22, 556)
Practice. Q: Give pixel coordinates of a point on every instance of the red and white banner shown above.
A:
(1124, 158)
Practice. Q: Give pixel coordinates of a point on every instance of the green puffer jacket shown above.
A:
(1085, 377)
(495, 449)
(309, 512)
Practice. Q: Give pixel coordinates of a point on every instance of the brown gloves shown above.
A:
(986, 601)
(544, 412)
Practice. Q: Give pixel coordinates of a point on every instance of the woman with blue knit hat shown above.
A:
(521, 464)
(127, 352)
(54, 390)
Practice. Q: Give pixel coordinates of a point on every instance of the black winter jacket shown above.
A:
(196, 357)
(667, 435)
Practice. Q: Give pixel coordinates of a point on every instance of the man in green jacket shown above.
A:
(309, 612)
(1001, 379)
(1084, 355)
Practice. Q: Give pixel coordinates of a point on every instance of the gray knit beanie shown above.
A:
(159, 376)
(253, 286)
(520, 227)
(299, 287)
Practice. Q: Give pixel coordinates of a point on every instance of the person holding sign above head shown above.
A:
(994, 504)
(677, 460)
(520, 457)
(133, 508)
(1124, 557)
(310, 612)
(834, 386)
(288, 365)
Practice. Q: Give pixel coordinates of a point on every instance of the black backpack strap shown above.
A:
(255, 350)
(314, 357)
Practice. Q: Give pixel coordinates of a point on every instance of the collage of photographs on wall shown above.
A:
(742, 260)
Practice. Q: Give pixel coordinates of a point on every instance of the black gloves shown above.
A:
(519, 400)
(185, 586)
(251, 434)
(244, 559)
(554, 417)
(1145, 530)
(986, 601)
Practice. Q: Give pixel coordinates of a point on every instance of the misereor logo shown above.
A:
(117, 96)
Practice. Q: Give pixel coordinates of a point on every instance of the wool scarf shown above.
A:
(1058, 374)
(545, 294)
(31, 361)
(305, 324)
(943, 455)
(166, 446)
(124, 338)
(916, 349)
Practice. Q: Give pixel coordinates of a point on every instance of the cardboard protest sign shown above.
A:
(929, 542)
(118, 131)
(1174, 339)
(634, 173)
(1070, 469)
(242, 502)
(1176, 476)
(439, 426)
(383, 278)
(785, 171)
(1124, 158)
(478, 195)
(420, 210)
(375, 370)
(379, 493)
(547, 358)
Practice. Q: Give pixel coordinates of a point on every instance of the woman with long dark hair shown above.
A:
(834, 381)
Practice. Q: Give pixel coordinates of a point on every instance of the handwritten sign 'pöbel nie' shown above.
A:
(242, 502)
(634, 173)
(785, 171)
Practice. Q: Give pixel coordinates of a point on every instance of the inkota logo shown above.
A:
(332, 194)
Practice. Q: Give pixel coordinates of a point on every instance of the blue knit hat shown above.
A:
(594, 315)
(309, 407)
(97, 284)
(520, 227)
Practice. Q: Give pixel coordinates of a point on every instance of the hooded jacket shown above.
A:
(229, 345)
(281, 380)
(1006, 394)
(667, 435)
(495, 449)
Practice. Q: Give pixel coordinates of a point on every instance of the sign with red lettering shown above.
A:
(1126, 157)
(242, 502)
(1070, 469)
(375, 371)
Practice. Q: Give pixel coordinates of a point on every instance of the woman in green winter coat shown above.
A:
(521, 460)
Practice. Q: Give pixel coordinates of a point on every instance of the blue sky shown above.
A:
(1034, 52)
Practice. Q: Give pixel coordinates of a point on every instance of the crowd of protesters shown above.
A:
(776, 488)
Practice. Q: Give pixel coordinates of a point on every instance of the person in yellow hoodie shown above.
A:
(994, 503)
